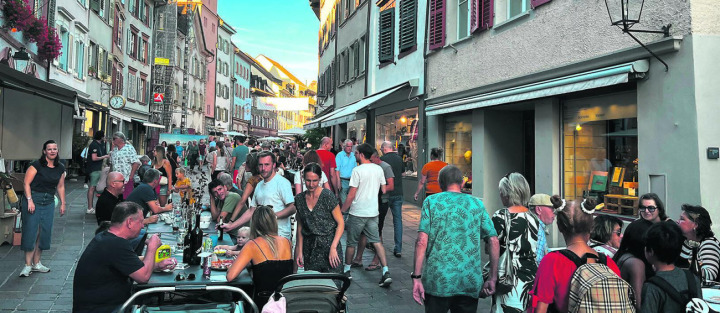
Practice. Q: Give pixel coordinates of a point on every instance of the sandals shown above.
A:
(353, 264)
(373, 267)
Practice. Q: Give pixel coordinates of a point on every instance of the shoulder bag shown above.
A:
(506, 271)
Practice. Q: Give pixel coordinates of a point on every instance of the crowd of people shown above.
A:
(255, 190)
(656, 265)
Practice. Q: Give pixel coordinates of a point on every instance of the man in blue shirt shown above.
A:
(239, 155)
(346, 162)
(179, 149)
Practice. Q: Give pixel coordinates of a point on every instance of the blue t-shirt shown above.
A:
(345, 164)
(240, 154)
(456, 224)
(141, 195)
(179, 150)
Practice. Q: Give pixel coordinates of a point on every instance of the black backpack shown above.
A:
(682, 298)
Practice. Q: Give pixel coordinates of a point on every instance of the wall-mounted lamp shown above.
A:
(578, 127)
(21, 55)
(625, 14)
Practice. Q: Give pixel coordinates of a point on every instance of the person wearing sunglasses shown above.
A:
(701, 250)
(606, 235)
(651, 208)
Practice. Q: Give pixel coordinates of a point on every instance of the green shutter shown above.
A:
(386, 46)
(408, 24)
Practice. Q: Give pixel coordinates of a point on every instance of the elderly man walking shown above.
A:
(447, 273)
(125, 160)
(345, 162)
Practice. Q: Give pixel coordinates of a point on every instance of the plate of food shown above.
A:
(220, 251)
(221, 265)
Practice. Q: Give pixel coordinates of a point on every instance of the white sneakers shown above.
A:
(40, 268)
(90, 211)
(27, 269)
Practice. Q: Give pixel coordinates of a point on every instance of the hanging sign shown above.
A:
(158, 97)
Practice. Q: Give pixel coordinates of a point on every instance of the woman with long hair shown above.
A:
(269, 254)
(219, 161)
(161, 164)
(651, 208)
(44, 178)
(701, 250)
(310, 157)
(551, 292)
(630, 257)
(319, 225)
(430, 173)
(517, 230)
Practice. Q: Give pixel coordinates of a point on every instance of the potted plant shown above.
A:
(17, 14)
(49, 47)
(91, 71)
(35, 29)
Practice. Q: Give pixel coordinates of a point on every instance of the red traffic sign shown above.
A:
(158, 97)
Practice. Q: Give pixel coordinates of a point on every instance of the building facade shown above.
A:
(264, 117)
(570, 102)
(210, 24)
(242, 106)
(224, 77)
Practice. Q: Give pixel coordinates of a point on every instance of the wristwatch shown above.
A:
(413, 276)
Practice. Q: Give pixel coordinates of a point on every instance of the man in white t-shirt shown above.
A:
(362, 202)
(273, 190)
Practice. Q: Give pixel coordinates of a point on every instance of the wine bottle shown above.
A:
(220, 230)
(188, 243)
(197, 240)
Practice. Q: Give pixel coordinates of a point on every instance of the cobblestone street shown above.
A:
(52, 292)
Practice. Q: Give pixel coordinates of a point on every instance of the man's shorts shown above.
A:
(362, 225)
(94, 178)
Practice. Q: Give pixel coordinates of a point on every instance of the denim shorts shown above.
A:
(38, 226)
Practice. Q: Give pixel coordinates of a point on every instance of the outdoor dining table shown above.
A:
(168, 279)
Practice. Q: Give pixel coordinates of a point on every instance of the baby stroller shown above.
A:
(231, 307)
(311, 292)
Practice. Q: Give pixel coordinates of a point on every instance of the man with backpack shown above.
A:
(671, 288)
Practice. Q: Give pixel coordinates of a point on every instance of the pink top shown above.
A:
(552, 280)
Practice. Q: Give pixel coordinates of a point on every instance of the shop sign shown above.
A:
(162, 61)
(158, 97)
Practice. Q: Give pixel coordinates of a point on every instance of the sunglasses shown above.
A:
(181, 276)
(619, 232)
(648, 208)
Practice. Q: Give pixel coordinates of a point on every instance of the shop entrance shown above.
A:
(510, 145)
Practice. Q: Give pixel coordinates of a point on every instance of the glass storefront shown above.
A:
(458, 145)
(600, 151)
(400, 128)
(356, 130)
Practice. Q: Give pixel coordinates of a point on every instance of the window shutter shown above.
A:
(436, 24)
(487, 14)
(386, 52)
(475, 15)
(95, 5)
(408, 24)
(537, 3)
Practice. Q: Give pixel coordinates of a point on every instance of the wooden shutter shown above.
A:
(408, 24)
(436, 25)
(95, 5)
(487, 14)
(537, 3)
(386, 52)
(475, 15)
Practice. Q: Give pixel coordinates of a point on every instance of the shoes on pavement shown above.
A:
(385, 281)
(398, 254)
(356, 264)
(38, 267)
(90, 211)
(26, 271)
(348, 274)
(373, 267)
(85, 186)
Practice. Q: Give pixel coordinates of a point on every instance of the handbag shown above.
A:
(506, 271)
(275, 306)
(163, 181)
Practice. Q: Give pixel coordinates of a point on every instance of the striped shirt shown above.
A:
(708, 255)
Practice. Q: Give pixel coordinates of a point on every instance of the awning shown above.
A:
(348, 113)
(608, 76)
(230, 133)
(148, 124)
(315, 123)
(117, 115)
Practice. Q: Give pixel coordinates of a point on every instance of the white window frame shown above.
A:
(469, 7)
(525, 8)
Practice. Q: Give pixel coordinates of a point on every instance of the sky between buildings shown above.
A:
(283, 30)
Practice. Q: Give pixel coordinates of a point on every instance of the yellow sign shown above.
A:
(162, 61)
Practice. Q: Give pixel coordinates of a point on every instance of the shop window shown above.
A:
(458, 145)
(600, 149)
(400, 128)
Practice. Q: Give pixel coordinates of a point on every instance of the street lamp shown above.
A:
(625, 14)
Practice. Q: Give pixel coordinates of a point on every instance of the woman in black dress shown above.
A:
(320, 225)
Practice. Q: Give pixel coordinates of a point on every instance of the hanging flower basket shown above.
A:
(36, 30)
(50, 46)
(17, 14)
